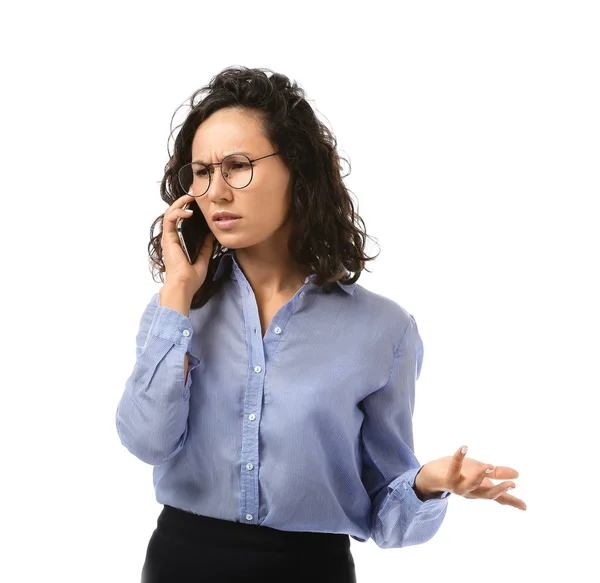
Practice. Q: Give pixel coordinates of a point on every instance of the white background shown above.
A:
(486, 219)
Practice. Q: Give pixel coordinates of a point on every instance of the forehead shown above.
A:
(226, 131)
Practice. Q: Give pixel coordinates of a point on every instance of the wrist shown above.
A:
(423, 487)
(176, 298)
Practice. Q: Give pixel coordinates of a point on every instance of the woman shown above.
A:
(273, 394)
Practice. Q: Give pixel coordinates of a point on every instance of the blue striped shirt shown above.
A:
(308, 428)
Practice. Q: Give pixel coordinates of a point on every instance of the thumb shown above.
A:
(207, 244)
(205, 251)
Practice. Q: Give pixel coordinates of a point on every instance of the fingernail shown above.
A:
(509, 488)
(489, 471)
(464, 449)
(188, 210)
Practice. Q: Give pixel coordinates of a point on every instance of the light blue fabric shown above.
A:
(306, 429)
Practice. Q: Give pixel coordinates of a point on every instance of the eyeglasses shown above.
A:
(237, 170)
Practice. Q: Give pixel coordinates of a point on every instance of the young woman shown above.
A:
(273, 394)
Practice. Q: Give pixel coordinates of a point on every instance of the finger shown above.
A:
(179, 202)
(504, 473)
(507, 499)
(170, 220)
(496, 491)
(186, 199)
(487, 483)
(207, 247)
(183, 199)
(486, 471)
(209, 240)
(455, 465)
(479, 477)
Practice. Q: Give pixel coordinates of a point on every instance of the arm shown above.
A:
(399, 517)
(175, 299)
(152, 415)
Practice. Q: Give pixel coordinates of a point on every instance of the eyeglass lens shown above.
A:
(236, 170)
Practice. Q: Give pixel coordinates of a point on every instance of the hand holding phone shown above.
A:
(187, 230)
(187, 245)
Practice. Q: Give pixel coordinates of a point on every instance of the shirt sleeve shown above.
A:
(398, 517)
(152, 415)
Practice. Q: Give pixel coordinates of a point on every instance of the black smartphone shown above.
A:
(191, 232)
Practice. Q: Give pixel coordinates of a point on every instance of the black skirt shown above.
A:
(188, 547)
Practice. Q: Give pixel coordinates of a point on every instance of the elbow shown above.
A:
(149, 454)
(148, 447)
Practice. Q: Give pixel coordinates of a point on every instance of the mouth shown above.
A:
(227, 222)
(224, 217)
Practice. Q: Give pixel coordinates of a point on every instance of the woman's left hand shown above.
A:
(468, 478)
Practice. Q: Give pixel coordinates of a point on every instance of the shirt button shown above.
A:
(405, 486)
(248, 516)
(186, 332)
(277, 330)
(252, 416)
(301, 294)
(257, 369)
(249, 466)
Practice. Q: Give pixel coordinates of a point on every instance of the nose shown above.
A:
(218, 188)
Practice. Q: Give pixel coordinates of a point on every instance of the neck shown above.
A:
(271, 272)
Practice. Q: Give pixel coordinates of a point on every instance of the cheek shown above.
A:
(275, 200)
(271, 210)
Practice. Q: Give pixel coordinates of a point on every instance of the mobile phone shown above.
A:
(191, 232)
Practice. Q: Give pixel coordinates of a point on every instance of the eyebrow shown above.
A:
(230, 153)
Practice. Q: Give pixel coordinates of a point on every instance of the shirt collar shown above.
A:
(229, 256)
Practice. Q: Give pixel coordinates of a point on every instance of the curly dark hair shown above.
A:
(325, 234)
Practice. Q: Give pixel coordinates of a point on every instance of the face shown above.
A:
(264, 204)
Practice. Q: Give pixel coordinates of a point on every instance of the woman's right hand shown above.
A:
(178, 270)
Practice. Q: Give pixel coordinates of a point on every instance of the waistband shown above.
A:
(215, 531)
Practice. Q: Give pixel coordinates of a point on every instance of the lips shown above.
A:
(225, 216)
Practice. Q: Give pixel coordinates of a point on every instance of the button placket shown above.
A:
(252, 400)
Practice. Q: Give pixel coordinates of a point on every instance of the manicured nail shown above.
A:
(464, 449)
(188, 210)
(489, 471)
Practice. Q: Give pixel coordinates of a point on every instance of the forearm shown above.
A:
(153, 412)
(177, 298)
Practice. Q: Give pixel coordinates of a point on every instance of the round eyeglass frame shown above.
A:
(251, 162)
